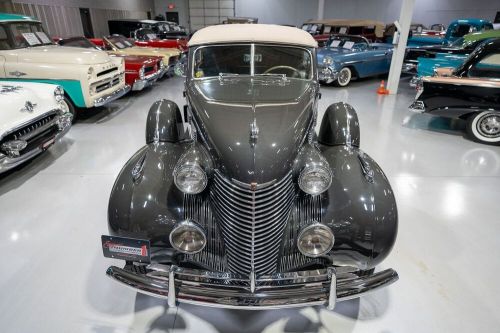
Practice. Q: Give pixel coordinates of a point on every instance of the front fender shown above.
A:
(360, 208)
(144, 201)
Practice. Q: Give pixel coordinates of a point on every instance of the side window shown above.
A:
(488, 67)
(461, 30)
(4, 39)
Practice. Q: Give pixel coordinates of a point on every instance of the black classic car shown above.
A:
(163, 29)
(471, 92)
(235, 200)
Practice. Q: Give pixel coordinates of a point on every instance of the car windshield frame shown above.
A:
(252, 62)
(126, 44)
(33, 39)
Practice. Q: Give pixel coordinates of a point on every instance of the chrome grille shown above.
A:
(252, 222)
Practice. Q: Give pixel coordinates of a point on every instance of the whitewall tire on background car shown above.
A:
(484, 127)
(344, 77)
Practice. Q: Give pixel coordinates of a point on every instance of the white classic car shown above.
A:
(33, 118)
(89, 77)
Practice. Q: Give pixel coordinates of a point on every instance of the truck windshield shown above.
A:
(120, 42)
(16, 35)
(293, 62)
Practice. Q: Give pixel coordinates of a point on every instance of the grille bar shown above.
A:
(252, 222)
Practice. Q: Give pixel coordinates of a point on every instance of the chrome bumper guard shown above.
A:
(409, 67)
(63, 122)
(146, 82)
(112, 96)
(327, 75)
(417, 106)
(227, 290)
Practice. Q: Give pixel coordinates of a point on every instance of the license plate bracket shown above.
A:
(129, 249)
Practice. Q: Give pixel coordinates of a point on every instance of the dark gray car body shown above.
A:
(359, 206)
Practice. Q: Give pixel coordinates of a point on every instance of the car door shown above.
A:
(374, 61)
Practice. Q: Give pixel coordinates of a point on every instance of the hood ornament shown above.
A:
(29, 107)
(254, 131)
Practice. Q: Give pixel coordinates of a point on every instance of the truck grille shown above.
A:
(107, 71)
(107, 85)
(252, 222)
(149, 70)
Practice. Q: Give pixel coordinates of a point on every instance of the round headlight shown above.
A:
(327, 60)
(188, 237)
(315, 179)
(315, 240)
(190, 178)
(59, 94)
(141, 73)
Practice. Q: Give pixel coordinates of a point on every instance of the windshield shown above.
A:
(120, 42)
(78, 42)
(16, 35)
(145, 34)
(293, 62)
(348, 42)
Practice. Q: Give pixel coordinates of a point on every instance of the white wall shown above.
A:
(293, 12)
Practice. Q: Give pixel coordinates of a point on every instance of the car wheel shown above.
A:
(484, 127)
(344, 77)
(67, 106)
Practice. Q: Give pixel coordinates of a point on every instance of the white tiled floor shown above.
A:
(53, 211)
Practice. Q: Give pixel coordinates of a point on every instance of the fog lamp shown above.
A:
(315, 179)
(190, 178)
(315, 240)
(188, 237)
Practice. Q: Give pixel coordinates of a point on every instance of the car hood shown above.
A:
(335, 53)
(139, 50)
(137, 60)
(225, 112)
(56, 54)
(14, 95)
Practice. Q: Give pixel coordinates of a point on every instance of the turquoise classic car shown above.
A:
(456, 29)
(346, 57)
(89, 77)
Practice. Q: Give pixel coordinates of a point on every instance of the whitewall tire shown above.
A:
(484, 127)
(344, 77)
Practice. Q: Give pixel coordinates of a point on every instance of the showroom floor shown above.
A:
(53, 212)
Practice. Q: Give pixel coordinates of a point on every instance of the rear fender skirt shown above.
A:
(359, 207)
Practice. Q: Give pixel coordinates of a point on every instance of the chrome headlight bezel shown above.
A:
(315, 229)
(328, 61)
(59, 94)
(308, 171)
(196, 168)
(185, 226)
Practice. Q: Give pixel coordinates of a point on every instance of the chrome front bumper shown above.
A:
(112, 96)
(327, 75)
(8, 162)
(227, 290)
(146, 82)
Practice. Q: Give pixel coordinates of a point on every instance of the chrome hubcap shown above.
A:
(344, 76)
(489, 126)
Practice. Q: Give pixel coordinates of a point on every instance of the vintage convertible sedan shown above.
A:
(235, 200)
(346, 57)
(32, 119)
(471, 92)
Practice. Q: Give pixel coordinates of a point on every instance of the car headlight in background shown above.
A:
(315, 240)
(315, 179)
(328, 60)
(59, 94)
(141, 73)
(188, 237)
(190, 178)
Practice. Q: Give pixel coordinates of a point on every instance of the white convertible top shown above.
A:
(265, 33)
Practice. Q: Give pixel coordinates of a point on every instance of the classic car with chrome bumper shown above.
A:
(103, 100)
(147, 81)
(263, 213)
(32, 121)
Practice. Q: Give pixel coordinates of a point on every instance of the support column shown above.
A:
(399, 50)
(321, 9)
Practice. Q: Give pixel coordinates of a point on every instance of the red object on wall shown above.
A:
(171, 5)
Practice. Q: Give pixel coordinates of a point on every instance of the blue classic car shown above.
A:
(456, 29)
(346, 57)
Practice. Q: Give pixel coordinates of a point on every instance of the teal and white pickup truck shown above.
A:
(456, 29)
(89, 78)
